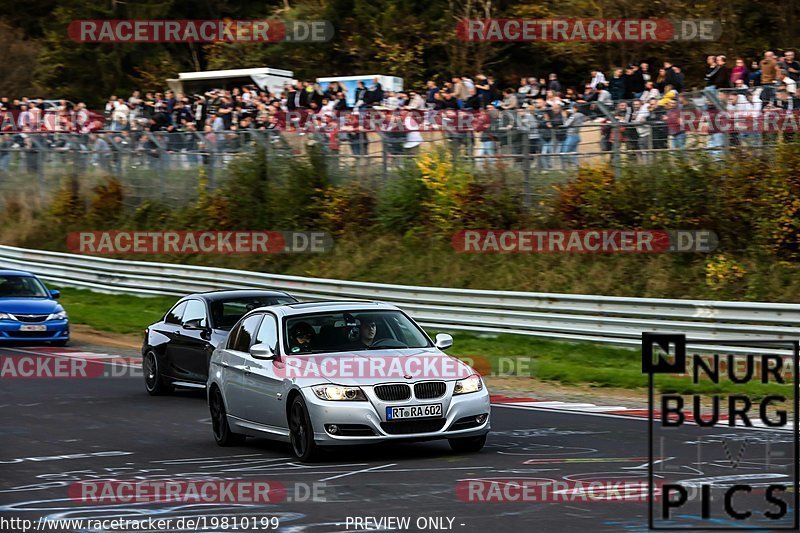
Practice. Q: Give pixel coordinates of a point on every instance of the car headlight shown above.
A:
(61, 315)
(467, 385)
(6, 316)
(339, 393)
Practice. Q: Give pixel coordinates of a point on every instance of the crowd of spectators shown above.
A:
(548, 113)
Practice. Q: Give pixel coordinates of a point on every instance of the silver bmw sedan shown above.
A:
(326, 374)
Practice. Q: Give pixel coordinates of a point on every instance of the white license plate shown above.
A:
(29, 327)
(414, 411)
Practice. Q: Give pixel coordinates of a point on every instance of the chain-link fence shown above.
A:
(539, 147)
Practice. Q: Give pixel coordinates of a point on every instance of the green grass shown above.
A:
(501, 355)
(116, 313)
(584, 364)
(567, 363)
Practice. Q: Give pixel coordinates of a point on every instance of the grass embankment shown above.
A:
(402, 230)
(115, 313)
(501, 355)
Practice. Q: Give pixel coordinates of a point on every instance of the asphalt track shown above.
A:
(56, 432)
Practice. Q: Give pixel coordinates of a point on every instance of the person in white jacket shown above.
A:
(597, 77)
(749, 108)
(120, 116)
(650, 92)
(642, 128)
(413, 136)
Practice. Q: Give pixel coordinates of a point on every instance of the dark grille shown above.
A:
(405, 427)
(429, 389)
(393, 393)
(464, 423)
(30, 334)
(31, 318)
(355, 430)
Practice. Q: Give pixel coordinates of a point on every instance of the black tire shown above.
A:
(301, 432)
(154, 382)
(467, 444)
(219, 422)
(59, 343)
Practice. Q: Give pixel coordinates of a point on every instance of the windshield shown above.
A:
(226, 313)
(352, 331)
(22, 287)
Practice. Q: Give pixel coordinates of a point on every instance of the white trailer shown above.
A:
(272, 79)
(388, 83)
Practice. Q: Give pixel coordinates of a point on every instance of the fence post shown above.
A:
(384, 161)
(162, 156)
(211, 150)
(526, 169)
(212, 163)
(38, 155)
(267, 153)
(616, 133)
(40, 171)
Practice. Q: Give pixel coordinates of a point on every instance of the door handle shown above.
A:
(247, 369)
(224, 363)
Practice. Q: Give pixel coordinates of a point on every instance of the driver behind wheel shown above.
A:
(366, 334)
(301, 338)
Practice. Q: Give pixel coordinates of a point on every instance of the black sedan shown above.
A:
(176, 349)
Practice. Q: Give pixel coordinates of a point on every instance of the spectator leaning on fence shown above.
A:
(572, 124)
(487, 128)
(769, 75)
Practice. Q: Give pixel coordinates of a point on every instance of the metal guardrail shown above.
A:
(567, 317)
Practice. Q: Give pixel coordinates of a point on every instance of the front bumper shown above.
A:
(363, 417)
(55, 330)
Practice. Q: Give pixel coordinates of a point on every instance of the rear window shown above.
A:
(21, 287)
(226, 313)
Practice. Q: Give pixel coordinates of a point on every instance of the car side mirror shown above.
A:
(262, 351)
(194, 324)
(443, 341)
(55, 294)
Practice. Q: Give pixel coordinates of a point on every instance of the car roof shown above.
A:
(213, 296)
(16, 273)
(303, 308)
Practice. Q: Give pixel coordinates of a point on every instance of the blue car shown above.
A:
(29, 311)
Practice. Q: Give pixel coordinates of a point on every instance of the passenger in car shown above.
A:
(301, 338)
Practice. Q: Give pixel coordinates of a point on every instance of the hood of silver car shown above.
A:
(371, 367)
